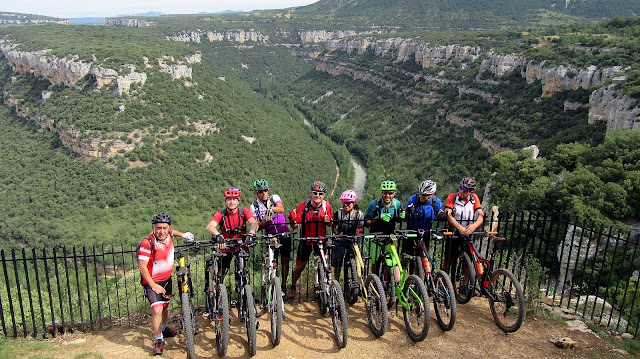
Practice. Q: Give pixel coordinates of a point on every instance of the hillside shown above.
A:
(182, 109)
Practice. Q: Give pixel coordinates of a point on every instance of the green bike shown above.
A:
(402, 288)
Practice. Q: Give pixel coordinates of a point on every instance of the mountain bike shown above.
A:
(189, 325)
(438, 282)
(245, 303)
(475, 274)
(370, 288)
(403, 288)
(328, 292)
(271, 290)
(216, 298)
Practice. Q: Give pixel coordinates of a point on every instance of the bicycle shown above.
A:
(188, 323)
(438, 282)
(500, 286)
(245, 303)
(370, 288)
(403, 288)
(216, 298)
(271, 290)
(328, 292)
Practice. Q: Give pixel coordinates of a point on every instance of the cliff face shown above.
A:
(240, 36)
(607, 105)
(68, 70)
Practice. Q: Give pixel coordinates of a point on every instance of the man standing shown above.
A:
(155, 262)
(314, 214)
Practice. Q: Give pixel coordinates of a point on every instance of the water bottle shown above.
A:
(426, 264)
(479, 268)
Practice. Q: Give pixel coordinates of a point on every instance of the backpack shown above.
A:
(349, 225)
(434, 203)
(380, 205)
(241, 224)
(153, 244)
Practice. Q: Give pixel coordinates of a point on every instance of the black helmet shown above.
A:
(468, 183)
(319, 186)
(161, 218)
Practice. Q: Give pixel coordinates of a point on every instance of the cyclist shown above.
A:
(314, 214)
(383, 213)
(269, 211)
(422, 209)
(155, 262)
(232, 220)
(464, 214)
(347, 220)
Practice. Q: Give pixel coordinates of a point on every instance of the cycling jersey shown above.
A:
(232, 226)
(278, 220)
(312, 218)
(159, 256)
(423, 212)
(376, 207)
(464, 211)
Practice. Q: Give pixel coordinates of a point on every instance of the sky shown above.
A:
(101, 8)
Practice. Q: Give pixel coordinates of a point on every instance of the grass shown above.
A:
(11, 348)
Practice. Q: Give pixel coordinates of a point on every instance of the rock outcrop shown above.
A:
(240, 36)
(610, 105)
(127, 22)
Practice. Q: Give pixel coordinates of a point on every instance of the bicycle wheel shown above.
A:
(506, 300)
(338, 314)
(250, 320)
(188, 324)
(376, 304)
(444, 302)
(416, 317)
(385, 273)
(351, 285)
(321, 291)
(464, 279)
(222, 322)
(276, 310)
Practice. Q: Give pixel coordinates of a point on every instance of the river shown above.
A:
(360, 178)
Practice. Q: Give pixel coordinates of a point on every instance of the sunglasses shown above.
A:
(388, 193)
(465, 189)
(347, 203)
(263, 191)
(317, 193)
(231, 199)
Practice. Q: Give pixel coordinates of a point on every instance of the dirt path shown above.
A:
(307, 335)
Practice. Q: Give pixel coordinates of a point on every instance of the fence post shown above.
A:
(69, 295)
(86, 275)
(46, 272)
(8, 288)
(26, 273)
(59, 289)
(35, 265)
(75, 267)
(19, 290)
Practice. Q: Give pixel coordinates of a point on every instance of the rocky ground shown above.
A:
(307, 335)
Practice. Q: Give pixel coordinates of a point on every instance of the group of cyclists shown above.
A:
(315, 217)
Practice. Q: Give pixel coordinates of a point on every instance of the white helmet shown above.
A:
(427, 187)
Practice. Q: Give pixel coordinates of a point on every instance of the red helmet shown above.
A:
(232, 192)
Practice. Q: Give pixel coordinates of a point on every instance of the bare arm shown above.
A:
(212, 228)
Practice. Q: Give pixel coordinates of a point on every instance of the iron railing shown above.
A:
(591, 271)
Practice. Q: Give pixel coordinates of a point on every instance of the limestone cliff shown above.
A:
(618, 110)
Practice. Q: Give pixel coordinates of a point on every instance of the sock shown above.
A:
(158, 337)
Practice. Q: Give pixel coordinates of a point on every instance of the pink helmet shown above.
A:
(348, 196)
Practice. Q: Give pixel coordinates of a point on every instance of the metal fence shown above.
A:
(591, 271)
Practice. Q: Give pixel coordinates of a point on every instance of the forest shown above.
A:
(255, 96)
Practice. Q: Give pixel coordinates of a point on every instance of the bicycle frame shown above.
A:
(401, 276)
(483, 266)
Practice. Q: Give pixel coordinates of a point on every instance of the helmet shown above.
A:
(232, 192)
(388, 186)
(319, 186)
(161, 218)
(260, 185)
(427, 187)
(468, 183)
(348, 196)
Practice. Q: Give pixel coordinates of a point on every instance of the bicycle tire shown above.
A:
(339, 314)
(276, 311)
(385, 273)
(188, 325)
(464, 279)
(506, 300)
(376, 304)
(222, 322)
(321, 295)
(444, 301)
(250, 320)
(417, 317)
(351, 285)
